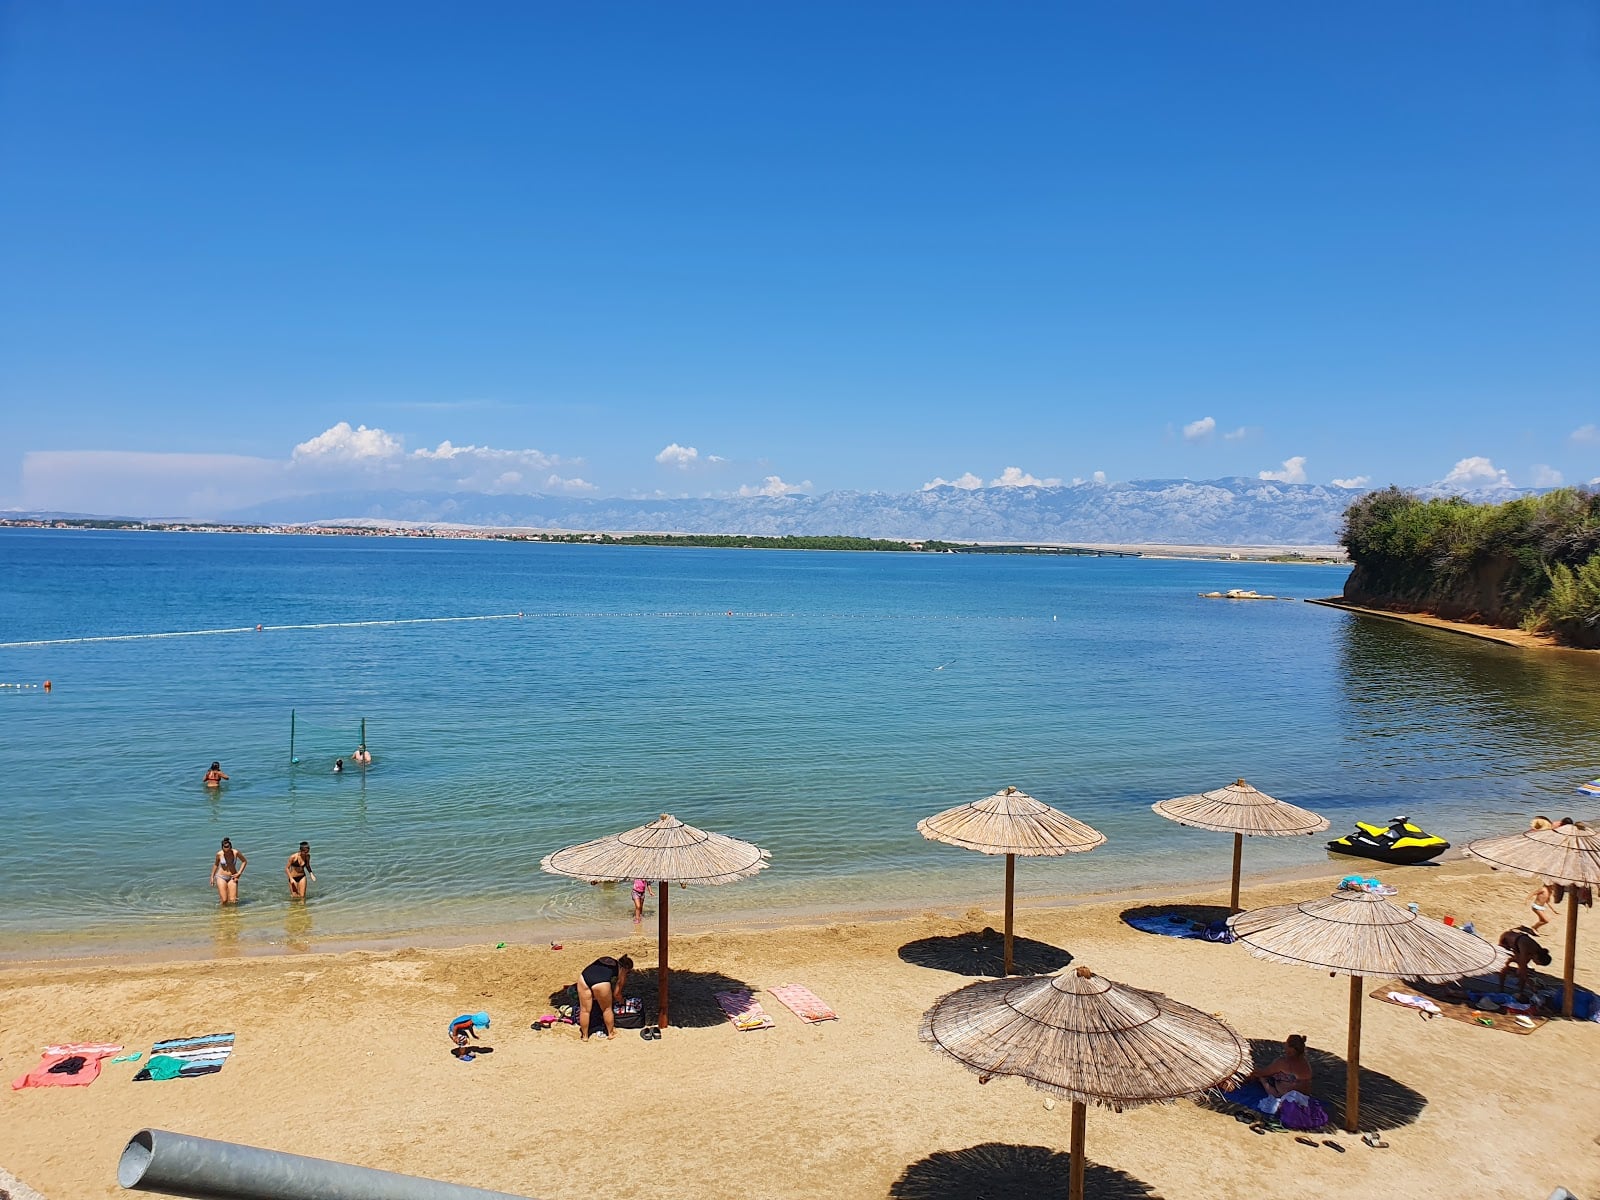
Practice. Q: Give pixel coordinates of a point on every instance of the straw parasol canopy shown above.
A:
(667, 851)
(1243, 811)
(1568, 854)
(1010, 823)
(1358, 933)
(1084, 1038)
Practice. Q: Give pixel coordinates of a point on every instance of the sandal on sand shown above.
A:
(1258, 1127)
(1305, 1141)
(1332, 1145)
(1373, 1140)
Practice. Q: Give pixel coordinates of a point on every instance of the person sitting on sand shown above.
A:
(1289, 1072)
(463, 1027)
(1522, 946)
(601, 984)
(214, 777)
(226, 868)
(362, 756)
(298, 869)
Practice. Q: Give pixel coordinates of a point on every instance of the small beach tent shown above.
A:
(1081, 1037)
(1361, 934)
(1242, 811)
(666, 851)
(1010, 823)
(1568, 854)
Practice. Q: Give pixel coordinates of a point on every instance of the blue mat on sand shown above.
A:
(1180, 927)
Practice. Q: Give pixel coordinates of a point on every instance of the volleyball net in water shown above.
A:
(322, 741)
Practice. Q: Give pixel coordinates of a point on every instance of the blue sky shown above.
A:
(556, 247)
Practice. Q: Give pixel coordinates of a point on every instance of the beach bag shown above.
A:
(1299, 1111)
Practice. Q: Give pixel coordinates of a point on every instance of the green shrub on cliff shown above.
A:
(1533, 561)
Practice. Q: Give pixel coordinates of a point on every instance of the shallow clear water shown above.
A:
(818, 704)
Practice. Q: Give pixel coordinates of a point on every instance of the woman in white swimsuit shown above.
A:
(226, 868)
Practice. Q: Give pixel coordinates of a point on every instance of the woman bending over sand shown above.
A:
(226, 868)
(601, 983)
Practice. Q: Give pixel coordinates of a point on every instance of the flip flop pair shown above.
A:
(1373, 1140)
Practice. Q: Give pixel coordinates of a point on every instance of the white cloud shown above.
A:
(968, 482)
(1294, 471)
(1589, 434)
(1099, 477)
(674, 455)
(1016, 477)
(573, 486)
(1199, 431)
(1476, 471)
(1354, 481)
(343, 444)
(1237, 435)
(773, 486)
(1544, 476)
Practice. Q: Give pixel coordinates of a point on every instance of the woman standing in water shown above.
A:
(226, 868)
(298, 869)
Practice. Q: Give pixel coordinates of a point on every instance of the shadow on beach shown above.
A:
(983, 955)
(1015, 1172)
(1182, 917)
(1386, 1103)
(691, 1004)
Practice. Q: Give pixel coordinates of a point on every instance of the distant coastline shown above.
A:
(1306, 554)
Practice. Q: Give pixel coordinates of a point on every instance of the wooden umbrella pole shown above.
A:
(1079, 1120)
(1352, 1053)
(1572, 952)
(661, 954)
(1011, 878)
(1238, 860)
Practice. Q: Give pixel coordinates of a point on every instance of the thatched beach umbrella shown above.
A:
(1568, 854)
(1358, 934)
(1242, 811)
(1010, 823)
(667, 851)
(1084, 1038)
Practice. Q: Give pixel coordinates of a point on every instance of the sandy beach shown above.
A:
(345, 1057)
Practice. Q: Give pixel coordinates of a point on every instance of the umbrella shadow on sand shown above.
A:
(1178, 915)
(1015, 1172)
(1386, 1103)
(693, 1004)
(982, 955)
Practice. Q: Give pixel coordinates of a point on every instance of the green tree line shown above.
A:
(1533, 562)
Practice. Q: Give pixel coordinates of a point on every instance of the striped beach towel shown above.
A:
(743, 1009)
(195, 1056)
(802, 1002)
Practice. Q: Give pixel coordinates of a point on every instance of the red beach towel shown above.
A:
(802, 1002)
(90, 1052)
(743, 1009)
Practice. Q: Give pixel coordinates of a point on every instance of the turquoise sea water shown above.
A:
(818, 704)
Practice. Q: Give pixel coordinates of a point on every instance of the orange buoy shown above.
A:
(47, 685)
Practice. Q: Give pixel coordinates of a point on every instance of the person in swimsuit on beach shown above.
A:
(1289, 1072)
(226, 868)
(463, 1027)
(298, 869)
(641, 887)
(214, 777)
(601, 983)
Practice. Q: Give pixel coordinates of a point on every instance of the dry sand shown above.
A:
(345, 1057)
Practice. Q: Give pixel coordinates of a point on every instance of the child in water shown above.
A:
(641, 887)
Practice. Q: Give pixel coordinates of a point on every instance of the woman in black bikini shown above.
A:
(298, 869)
(601, 983)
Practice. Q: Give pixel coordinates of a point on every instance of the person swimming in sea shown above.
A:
(215, 777)
(338, 766)
(362, 756)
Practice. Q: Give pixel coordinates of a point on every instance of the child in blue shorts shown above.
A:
(464, 1027)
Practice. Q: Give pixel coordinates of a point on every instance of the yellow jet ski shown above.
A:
(1401, 842)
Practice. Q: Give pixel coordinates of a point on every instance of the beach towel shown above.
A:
(1169, 926)
(69, 1064)
(743, 1009)
(1466, 1011)
(1421, 1003)
(193, 1056)
(802, 1002)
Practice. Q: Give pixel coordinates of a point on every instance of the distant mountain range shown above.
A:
(1219, 512)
